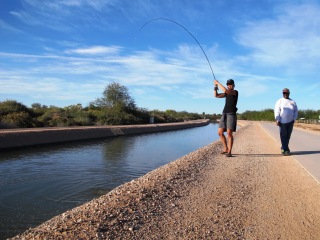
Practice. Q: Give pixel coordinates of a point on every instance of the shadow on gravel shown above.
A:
(258, 155)
(305, 152)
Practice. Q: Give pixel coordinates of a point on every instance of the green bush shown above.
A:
(17, 120)
(16, 115)
(12, 106)
(54, 117)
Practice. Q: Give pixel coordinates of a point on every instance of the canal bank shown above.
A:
(17, 138)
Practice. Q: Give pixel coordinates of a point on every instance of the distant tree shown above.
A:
(36, 106)
(309, 114)
(116, 106)
(38, 109)
(79, 116)
(263, 115)
(116, 97)
(75, 108)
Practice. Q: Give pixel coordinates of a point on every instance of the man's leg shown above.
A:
(281, 139)
(289, 131)
(230, 139)
(284, 137)
(223, 139)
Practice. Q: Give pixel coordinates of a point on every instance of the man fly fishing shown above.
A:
(228, 121)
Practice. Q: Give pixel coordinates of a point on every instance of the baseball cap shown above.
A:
(286, 90)
(230, 82)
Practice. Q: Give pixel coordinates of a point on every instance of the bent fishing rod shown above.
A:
(172, 21)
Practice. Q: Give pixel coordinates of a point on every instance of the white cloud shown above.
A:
(95, 50)
(59, 77)
(6, 26)
(25, 17)
(289, 39)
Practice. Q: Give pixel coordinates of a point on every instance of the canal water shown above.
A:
(39, 183)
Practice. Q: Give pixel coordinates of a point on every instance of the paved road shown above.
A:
(304, 146)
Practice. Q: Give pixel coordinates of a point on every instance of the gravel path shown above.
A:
(257, 194)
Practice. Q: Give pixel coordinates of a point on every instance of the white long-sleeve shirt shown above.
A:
(285, 110)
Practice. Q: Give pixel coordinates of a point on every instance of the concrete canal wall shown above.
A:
(16, 138)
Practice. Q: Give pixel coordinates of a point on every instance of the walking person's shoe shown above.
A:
(286, 153)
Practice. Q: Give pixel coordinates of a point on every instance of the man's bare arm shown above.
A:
(224, 89)
(216, 94)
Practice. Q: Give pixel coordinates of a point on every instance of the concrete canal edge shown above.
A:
(17, 138)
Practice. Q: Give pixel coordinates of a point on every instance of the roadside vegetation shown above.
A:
(307, 116)
(115, 107)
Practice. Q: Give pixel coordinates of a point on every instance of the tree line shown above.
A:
(115, 107)
(268, 115)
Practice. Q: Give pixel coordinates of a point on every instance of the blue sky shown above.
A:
(65, 52)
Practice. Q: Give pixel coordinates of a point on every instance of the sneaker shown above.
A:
(286, 153)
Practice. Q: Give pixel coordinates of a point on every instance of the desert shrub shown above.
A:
(17, 120)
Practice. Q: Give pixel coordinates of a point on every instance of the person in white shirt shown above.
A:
(285, 113)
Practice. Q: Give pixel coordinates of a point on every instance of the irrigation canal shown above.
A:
(39, 183)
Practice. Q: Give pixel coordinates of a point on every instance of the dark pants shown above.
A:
(285, 134)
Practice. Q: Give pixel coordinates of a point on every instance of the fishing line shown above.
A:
(169, 20)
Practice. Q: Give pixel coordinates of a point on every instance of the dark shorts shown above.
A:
(228, 121)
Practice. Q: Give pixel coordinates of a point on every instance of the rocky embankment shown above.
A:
(256, 194)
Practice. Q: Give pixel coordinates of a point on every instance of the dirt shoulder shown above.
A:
(312, 127)
(257, 194)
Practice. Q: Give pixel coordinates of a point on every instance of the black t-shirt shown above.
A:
(231, 103)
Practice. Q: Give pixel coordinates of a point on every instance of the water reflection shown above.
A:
(39, 183)
(116, 148)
